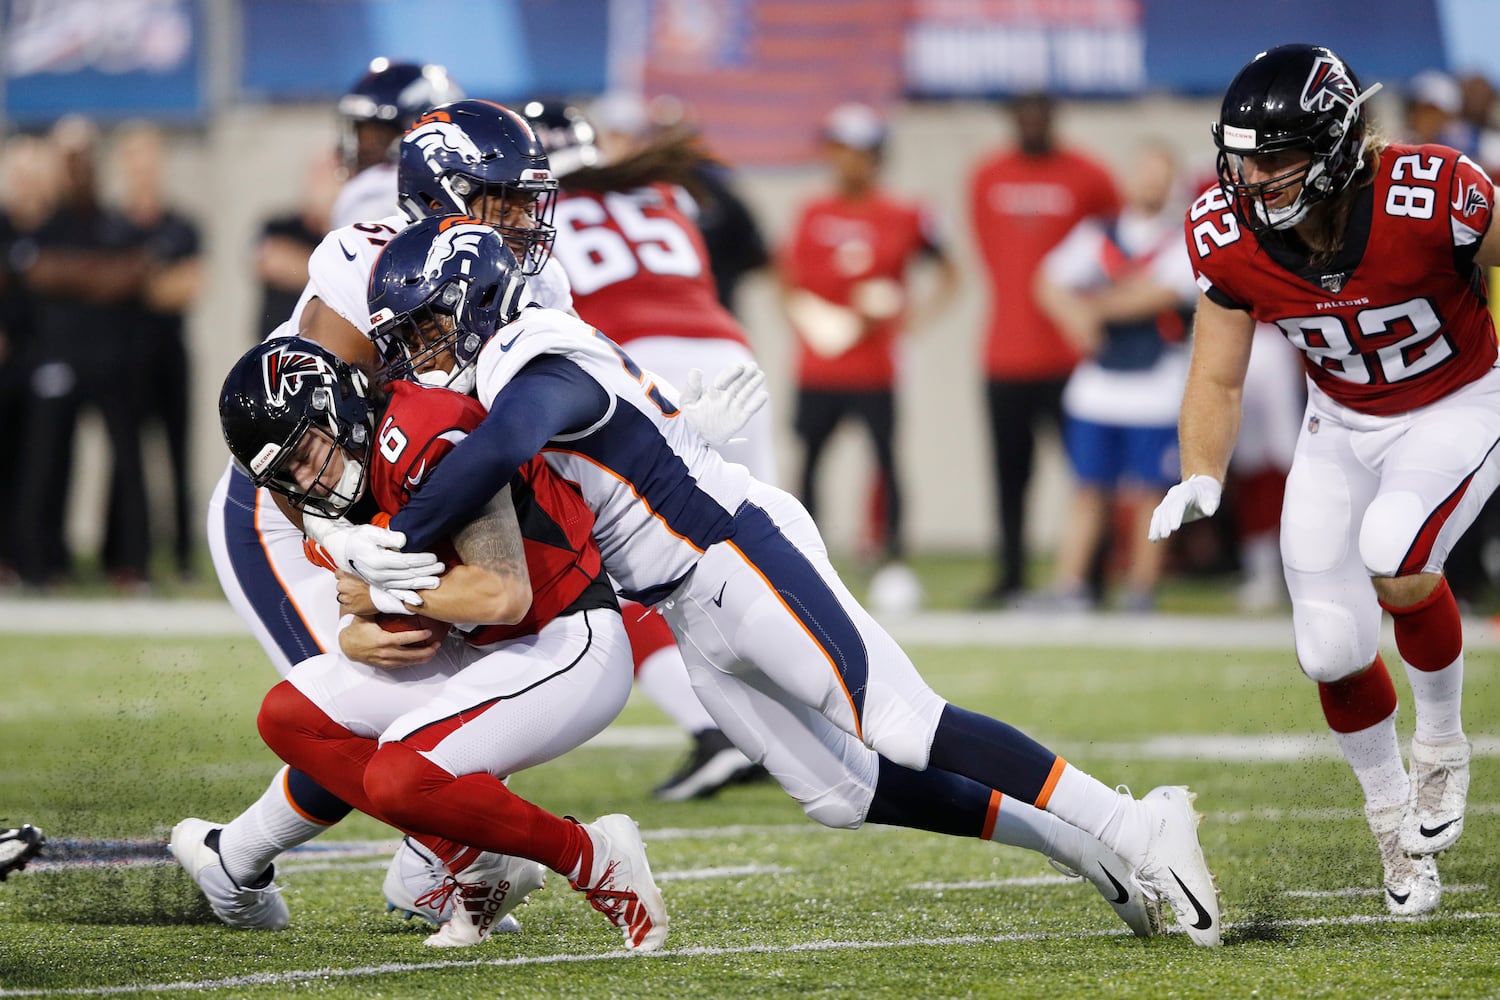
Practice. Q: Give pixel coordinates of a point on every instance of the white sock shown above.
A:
(1113, 817)
(1033, 829)
(1437, 699)
(663, 678)
(1375, 756)
(251, 841)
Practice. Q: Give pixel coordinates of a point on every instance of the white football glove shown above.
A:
(719, 410)
(374, 555)
(1190, 500)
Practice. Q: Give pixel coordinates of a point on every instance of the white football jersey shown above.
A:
(660, 495)
(338, 273)
(369, 194)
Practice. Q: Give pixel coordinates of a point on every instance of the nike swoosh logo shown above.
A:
(1123, 894)
(415, 479)
(1433, 831)
(347, 254)
(1204, 921)
(1398, 900)
(510, 343)
(719, 602)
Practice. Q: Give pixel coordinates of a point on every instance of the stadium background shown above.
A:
(247, 88)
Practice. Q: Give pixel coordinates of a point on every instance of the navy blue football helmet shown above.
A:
(438, 291)
(566, 135)
(392, 95)
(1300, 98)
(481, 159)
(274, 397)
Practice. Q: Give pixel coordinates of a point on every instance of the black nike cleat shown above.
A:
(18, 846)
(711, 765)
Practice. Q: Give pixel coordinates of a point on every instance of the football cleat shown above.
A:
(1173, 868)
(1107, 872)
(258, 906)
(1439, 791)
(1412, 887)
(479, 899)
(414, 874)
(18, 845)
(624, 890)
(713, 763)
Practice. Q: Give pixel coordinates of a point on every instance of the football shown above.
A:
(413, 623)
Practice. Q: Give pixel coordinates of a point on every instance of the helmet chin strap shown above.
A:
(461, 381)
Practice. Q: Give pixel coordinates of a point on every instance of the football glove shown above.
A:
(1194, 498)
(720, 409)
(374, 554)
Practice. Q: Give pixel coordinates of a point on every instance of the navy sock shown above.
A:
(314, 800)
(934, 800)
(992, 753)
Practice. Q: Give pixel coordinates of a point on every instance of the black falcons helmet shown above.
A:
(273, 396)
(1292, 97)
(456, 154)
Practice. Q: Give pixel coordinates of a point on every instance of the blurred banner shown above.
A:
(108, 58)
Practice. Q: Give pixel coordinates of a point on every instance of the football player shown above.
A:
(473, 156)
(1367, 255)
(628, 238)
(373, 116)
(801, 677)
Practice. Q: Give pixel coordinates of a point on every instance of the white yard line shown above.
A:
(385, 969)
(179, 619)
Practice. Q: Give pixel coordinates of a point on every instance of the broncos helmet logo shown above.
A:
(283, 371)
(453, 242)
(1328, 86)
(434, 135)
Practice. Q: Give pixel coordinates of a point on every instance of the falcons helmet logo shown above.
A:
(1328, 86)
(284, 369)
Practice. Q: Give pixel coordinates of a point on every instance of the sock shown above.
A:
(473, 809)
(1360, 701)
(934, 800)
(1375, 755)
(660, 673)
(1080, 800)
(1429, 636)
(252, 840)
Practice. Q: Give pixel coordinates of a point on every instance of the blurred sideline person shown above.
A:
(538, 662)
(287, 241)
(1121, 289)
(79, 268)
(289, 602)
(628, 239)
(790, 666)
(373, 115)
(18, 845)
(845, 288)
(161, 365)
(1365, 254)
(1022, 200)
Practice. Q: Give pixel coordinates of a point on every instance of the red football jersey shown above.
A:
(837, 244)
(638, 266)
(419, 428)
(1399, 319)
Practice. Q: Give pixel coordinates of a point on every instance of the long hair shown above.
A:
(674, 157)
(1329, 228)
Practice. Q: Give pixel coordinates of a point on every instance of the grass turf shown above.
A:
(104, 739)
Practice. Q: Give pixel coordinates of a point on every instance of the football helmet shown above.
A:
(457, 155)
(438, 291)
(1291, 98)
(390, 94)
(274, 396)
(566, 135)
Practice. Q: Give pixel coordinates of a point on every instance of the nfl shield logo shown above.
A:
(1333, 283)
(1312, 424)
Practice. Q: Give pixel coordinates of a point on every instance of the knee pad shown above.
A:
(1390, 524)
(842, 807)
(1331, 645)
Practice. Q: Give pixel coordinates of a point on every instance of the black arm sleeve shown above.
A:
(549, 396)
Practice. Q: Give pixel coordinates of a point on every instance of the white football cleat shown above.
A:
(1412, 887)
(195, 845)
(1173, 868)
(623, 890)
(479, 899)
(1107, 872)
(1439, 792)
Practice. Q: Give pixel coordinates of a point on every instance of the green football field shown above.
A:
(106, 742)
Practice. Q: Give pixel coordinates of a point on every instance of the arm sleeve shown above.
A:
(549, 396)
